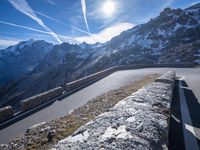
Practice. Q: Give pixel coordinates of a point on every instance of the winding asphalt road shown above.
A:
(111, 82)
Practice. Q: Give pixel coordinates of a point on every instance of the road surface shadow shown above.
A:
(176, 139)
(23, 115)
(194, 110)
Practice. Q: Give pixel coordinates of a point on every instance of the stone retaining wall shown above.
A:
(6, 113)
(41, 98)
(140, 121)
(167, 78)
(77, 83)
(91, 78)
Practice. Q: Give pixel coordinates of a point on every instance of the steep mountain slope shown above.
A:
(146, 43)
(57, 67)
(172, 37)
(22, 58)
(184, 53)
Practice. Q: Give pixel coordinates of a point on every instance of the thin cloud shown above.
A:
(23, 7)
(51, 2)
(103, 36)
(24, 27)
(106, 34)
(193, 3)
(65, 38)
(83, 5)
(8, 42)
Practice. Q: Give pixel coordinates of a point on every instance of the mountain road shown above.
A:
(114, 81)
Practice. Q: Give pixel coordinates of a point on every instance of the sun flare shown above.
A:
(108, 8)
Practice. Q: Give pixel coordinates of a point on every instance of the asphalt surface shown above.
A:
(111, 82)
(184, 130)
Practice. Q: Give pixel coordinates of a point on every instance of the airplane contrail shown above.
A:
(83, 4)
(56, 20)
(23, 7)
(24, 27)
(36, 30)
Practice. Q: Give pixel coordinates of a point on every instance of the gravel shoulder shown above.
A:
(46, 134)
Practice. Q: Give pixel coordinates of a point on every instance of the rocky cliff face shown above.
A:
(172, 37)
(189, 52)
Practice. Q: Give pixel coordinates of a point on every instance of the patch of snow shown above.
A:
(145, 42)
(109, 133)
(175, 17)
(135, 56)
(83, 55)
(83, 45)
(124, 135)
(130, 41)
(37, 125)
(195, 14)
(30, 68)
(79, 137)
(197, 55)
(187, 26)
(115, 51)
(12, 49)
(120, 133)
(121, 103)
(123, 44)
(192, 10)
(177, 26)
(27, 43)
(94, 46)
(46, 128)
(163, 33)
(130, 119)
(187, 39)
(197, 61)
(97, 60)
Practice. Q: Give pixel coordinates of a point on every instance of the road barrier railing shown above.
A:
(6, 113)
(39, 99)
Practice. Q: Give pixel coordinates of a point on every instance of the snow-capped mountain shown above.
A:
(22, 58)
(172, 37)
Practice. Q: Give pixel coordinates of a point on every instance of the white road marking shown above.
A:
(179, 77)
(189, 140)
(176, 119)
(192, 130)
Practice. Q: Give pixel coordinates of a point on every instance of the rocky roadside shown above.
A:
(45, 135)
(139, 121)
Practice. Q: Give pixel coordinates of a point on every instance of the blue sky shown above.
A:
(75, 21)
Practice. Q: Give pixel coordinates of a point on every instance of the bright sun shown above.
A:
(108, 8)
